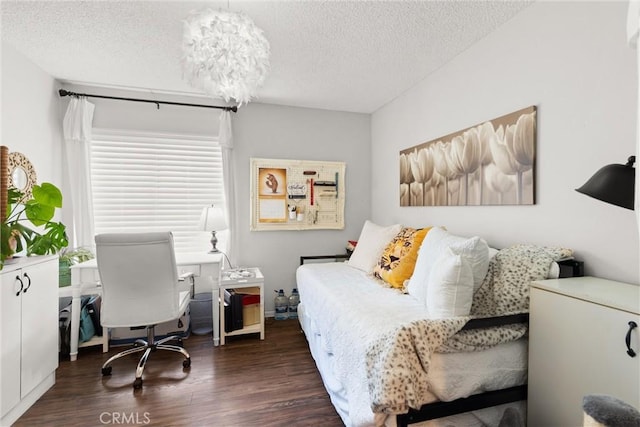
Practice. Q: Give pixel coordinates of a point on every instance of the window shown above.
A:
(155, 182)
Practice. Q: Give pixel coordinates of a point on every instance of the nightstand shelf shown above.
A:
(231, 279)
(258, 328)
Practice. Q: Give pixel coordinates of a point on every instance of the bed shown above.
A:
(385, 358)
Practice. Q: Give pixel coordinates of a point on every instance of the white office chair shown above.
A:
(140, 287)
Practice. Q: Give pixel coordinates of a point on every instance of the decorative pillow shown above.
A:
(450, 289)
(399, 257)
(475, 250)
(554, 270)
(372, 241)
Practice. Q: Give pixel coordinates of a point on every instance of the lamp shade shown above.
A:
(212, 219)
(613, 184)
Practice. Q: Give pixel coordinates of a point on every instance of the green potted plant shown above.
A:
(69, 258)
(17, 232)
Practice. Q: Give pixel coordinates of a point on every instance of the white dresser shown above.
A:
(29, 333)
(578, 330)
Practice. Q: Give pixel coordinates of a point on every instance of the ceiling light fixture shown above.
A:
(225, 54)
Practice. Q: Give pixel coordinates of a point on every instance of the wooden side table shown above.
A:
(239, 279)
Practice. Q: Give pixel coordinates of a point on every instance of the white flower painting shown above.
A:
(492, 163)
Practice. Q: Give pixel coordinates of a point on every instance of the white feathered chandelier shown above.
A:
(225, 54)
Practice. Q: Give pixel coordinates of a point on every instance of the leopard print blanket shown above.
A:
(398, 363)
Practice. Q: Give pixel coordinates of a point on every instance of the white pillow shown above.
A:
(450, 288)
(373, 239)
(554, 270)
(475, 251)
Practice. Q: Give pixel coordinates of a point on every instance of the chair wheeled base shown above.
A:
(148, 346)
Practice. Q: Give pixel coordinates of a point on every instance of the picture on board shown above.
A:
(273, 181)
(272, 194)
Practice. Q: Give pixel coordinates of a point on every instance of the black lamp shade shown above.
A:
(613, 184)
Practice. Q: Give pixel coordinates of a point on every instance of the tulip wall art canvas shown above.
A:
(492, 163)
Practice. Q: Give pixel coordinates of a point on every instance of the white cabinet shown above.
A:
(577, 346)
(29, 333)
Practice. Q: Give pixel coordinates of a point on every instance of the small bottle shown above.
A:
(282, 305)
(294, 300)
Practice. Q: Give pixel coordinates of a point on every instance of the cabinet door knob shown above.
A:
(21, 286)
(29, 283)
(627, 339)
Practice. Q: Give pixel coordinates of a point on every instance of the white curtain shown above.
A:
(76, 128)
(225, 136)
(633, 31)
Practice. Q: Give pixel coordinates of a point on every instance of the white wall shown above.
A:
(145, 117)
(30, 114)
(264, 131)
(142, 116)
(269, 131)
(571, 60)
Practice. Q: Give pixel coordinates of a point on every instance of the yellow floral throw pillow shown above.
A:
(399, 257)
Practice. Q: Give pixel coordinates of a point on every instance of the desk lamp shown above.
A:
(212, 219)
(613, 184)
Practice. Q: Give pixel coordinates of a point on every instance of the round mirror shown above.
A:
(19, 178)
(22, 175)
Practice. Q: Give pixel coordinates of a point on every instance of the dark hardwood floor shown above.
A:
(247, 382)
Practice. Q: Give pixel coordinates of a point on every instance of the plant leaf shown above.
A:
(37, 213)
(5, 251)
(58, 234)
(14, 195)
(40, 246)
(47, 194)
(51, 242)
(23, 230)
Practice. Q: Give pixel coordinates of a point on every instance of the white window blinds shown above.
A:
(155, 182)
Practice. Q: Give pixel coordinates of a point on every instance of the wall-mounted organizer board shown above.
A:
(297, 195)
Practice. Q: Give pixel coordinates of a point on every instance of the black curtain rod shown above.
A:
(63, 92)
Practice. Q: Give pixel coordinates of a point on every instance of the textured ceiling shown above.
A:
(338, 55)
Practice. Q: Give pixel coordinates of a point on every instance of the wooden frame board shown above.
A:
(297, 194)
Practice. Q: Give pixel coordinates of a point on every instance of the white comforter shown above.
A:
(374, 311)
(381, 337)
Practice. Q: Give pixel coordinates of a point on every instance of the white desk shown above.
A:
(85, 280)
